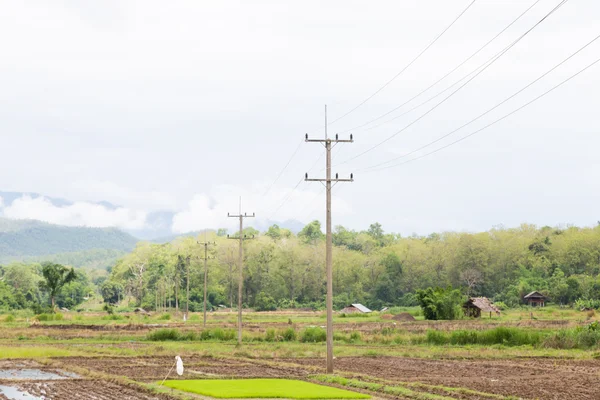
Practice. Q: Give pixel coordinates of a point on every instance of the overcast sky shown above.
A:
(186, 105)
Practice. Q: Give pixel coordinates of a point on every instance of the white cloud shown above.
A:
(77, 214)
(279, 204)
(1, 202)
(120, 195)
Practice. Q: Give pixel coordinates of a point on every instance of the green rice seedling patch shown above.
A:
(262, 389)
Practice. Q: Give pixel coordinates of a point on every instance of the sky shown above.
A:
(185, 106)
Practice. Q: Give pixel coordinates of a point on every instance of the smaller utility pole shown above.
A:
(240, 264)
(206, 244)
(187, 290)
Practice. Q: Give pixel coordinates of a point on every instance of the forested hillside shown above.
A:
(282, 269)
(22, 239)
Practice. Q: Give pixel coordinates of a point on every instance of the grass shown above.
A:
(262, 388)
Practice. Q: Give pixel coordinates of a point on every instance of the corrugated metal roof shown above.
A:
(532, 293)
(361, 308)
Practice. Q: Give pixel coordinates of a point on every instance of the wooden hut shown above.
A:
(475, 305)
(535, 299)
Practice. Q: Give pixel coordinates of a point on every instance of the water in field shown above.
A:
(12, 393)
(34, 374)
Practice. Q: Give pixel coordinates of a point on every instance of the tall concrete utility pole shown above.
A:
(240, 265)
(206, 257)
(329, 144)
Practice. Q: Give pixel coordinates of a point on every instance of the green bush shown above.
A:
(9, 318)
(313, 335)
(162, 335)
(289, 335)
(264, 302)
(270, 335)
(501, 335)
(355, 336)
(49, 317)
(223, 334)
(438, 303)
(113, 317)
(165, 317)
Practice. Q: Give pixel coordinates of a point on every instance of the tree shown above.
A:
(111, 292)
(274, 232)
(264, 302)
(311, 232)
(440, 303)
(376, 232)
(472, 278)
(56, 276)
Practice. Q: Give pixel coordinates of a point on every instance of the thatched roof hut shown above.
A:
(475, 305)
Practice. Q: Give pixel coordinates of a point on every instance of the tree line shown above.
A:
(372, 267)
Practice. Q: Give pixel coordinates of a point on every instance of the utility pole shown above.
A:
(205, 244)
(329, 144)
(187, 290)
(240, 263)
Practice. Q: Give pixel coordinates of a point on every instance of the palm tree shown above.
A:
(56, 276)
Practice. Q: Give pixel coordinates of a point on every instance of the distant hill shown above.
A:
(26, 239)
(91, 259)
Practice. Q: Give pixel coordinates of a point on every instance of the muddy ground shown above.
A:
(550, 379)
(531, 379)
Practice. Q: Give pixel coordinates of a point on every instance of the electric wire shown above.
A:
(488, 111)
(504, 51)
(494, 122)
(443, 77)
(284, 168)
(405, 67)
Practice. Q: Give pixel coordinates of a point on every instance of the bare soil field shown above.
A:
(550, 379)
(149, 369)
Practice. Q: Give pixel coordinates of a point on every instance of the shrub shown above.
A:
(501, 335)
(165, 317)
(9, 318)
(162, 335)
(355, 336)
(440, 303)
(49, 317)
(288, 335)
(270, 335)
(112, 317)
(313, 335)
(264, 302)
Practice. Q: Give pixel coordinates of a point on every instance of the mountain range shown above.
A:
(32, 240)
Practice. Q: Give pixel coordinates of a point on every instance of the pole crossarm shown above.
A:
(328, 180)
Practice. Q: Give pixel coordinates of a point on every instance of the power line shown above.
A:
(283, 169)
(285, 199)
(443, 77)
(490, 110)
(504, 51)
(494, 122)
(405, 67)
